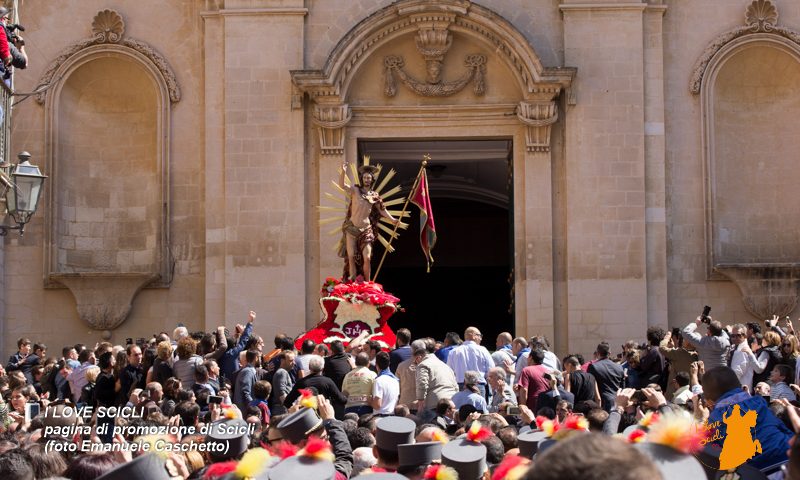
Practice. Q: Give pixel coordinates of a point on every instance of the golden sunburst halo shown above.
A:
(335, 207)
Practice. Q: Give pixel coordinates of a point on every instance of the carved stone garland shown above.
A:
(433, 40)
(108, 27)
(767, 289)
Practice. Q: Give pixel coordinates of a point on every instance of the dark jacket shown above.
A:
(549, 399)
(16, 362)
(773, 358)
(161, 371)
(343, 453)
(609, 377)
(325, 387)
(229, 361)
(336, 367)
(397, 356)
(87, 395)
(652, 369)
(129, 378)
(104, 392)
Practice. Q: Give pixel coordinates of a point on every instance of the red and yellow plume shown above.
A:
(439, 436)
(478, 433)
(440, 472)
(513, 467)
(679, 432)
(253, 462)
(317, 448)
(216, 470)
(575, 422)
(232, 413)
(550, 427)
(307, 398)
(650, 418)
(285, 449)
(540, 421)
(637, 436)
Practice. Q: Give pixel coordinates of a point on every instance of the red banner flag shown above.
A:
(427, 229)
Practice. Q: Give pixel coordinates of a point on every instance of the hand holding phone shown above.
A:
(512, 410)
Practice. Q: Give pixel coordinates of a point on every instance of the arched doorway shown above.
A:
(443, 69)
(471, 280)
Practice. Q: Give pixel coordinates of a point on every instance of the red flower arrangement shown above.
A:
(350, 308)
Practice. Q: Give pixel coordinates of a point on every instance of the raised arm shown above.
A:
(689, 332)
(343, 176)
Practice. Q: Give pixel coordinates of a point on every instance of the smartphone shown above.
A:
(217, 399)
(31, 411)
(511, 410)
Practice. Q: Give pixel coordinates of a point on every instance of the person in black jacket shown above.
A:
(105, 396)
(131, 376)
(652, 366)
(338, 364)
(323, 385)
(767, 357)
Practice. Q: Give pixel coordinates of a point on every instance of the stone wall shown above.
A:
(610, 224)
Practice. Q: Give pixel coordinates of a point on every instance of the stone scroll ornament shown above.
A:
(433, 44)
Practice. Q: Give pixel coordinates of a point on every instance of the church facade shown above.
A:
(190, 147)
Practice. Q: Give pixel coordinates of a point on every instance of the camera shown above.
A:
(217, 399)
(639, 397)
(704, 316)
(13, 37)
(129, 341)
(512, 410)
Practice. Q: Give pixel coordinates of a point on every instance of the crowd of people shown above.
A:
(223, 406)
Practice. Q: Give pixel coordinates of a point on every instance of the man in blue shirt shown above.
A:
(403, 350)
(451, 341)
(229, 361)
(721, 387)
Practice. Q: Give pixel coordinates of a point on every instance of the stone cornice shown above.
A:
(251, 12)
(582, 7)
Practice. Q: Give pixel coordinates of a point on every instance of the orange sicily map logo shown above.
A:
(738, 445)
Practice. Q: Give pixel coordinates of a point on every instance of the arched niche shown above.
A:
(753, 139)
(107, 122)
(747, 82)
(107, 204)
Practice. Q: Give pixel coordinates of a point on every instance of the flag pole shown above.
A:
(426, 157)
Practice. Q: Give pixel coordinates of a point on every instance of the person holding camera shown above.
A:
(712, 349)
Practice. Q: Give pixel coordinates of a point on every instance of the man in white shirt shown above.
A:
(470, 355)
(386, 388)
(741, 362)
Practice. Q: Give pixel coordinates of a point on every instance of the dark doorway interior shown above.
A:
(470, 281)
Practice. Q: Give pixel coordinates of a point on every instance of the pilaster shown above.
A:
(256, 204)
(605, 173)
